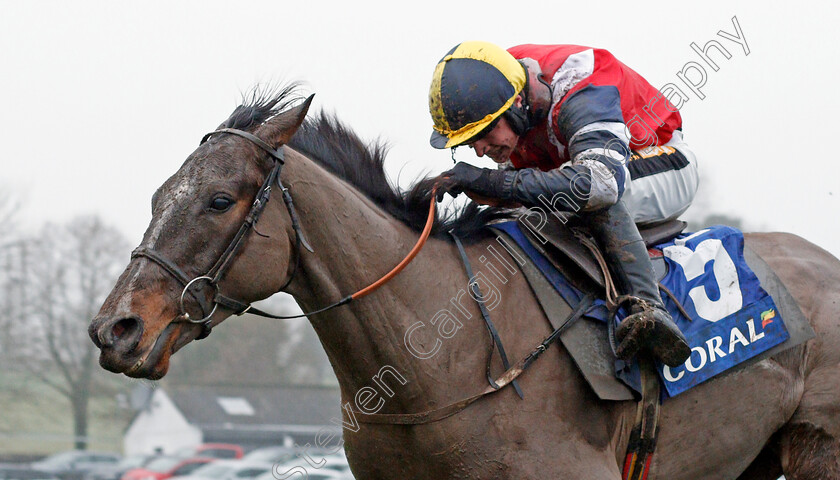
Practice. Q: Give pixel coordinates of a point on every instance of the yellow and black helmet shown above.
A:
(473, 84)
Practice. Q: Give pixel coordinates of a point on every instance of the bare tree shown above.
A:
(63, 276)
(9, 270)
(8, 216)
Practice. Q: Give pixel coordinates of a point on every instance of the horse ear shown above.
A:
(280, 129)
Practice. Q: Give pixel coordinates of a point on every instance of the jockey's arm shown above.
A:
(594, 177)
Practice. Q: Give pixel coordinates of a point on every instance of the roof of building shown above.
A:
(257, 407)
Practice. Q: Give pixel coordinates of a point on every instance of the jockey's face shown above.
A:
(499, 143)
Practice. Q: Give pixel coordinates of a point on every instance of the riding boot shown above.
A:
(649, 327)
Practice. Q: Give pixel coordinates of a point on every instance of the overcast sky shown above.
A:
(102, 101)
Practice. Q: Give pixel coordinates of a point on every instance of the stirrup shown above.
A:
(612, 310)
(658, 335)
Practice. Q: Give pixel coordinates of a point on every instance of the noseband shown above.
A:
(215, 274)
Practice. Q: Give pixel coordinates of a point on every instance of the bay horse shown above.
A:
(780, 415)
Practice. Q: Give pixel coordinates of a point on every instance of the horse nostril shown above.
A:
(120, 327)
(122, 330)
(93, 333)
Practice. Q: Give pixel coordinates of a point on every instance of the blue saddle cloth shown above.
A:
(732, 318)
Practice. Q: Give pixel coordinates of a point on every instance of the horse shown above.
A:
(779, 415)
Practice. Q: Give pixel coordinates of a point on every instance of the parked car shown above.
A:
(21, 473)
(229, 470)
(271, 455)
(115, 472)
(74, 464)
(328, 465)
(337, 462)
(166, 466)
(224, 451)
(311, 474)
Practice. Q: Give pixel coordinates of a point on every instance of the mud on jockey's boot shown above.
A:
(649, 328)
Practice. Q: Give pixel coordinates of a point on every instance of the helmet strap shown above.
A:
(517, 118)
(521, 118)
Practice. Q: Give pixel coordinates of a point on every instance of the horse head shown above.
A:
(196, 215)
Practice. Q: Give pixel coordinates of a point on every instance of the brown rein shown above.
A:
(430, 220)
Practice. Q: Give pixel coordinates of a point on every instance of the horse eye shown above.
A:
(220, 204)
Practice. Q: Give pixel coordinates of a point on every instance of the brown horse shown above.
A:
(778, 415)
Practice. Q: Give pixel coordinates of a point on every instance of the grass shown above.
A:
(36, 419)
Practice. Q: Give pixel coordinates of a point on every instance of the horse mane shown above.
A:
(330, 143)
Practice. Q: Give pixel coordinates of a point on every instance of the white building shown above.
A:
(161, 425)
(175, 417)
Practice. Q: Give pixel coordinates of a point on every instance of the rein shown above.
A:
(218, 270)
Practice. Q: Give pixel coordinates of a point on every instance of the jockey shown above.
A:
(577, 132)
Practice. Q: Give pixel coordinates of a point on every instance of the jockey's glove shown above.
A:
(485, 182)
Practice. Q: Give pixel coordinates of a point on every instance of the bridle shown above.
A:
(218, 270)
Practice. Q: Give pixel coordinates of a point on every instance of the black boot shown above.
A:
(649, 327)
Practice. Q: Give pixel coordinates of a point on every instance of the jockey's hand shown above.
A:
(483, 182)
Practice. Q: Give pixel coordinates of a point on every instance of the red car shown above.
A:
(166, 466)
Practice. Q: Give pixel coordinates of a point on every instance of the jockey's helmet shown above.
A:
(473, 84)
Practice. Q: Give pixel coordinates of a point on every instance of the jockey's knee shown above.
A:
(661, 187)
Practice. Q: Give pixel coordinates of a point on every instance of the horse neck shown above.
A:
(356, 243)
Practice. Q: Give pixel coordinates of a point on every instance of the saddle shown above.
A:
(560, 243)
(586, 340)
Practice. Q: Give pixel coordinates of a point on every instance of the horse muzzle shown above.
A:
(120, 342)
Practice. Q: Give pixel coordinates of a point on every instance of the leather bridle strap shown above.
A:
(223, 263)
(277, 153)
(218, 270)
(173, 270)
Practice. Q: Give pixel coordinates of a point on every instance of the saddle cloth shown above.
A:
(740, 310)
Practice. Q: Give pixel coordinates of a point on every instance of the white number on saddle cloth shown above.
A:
(693, 263)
